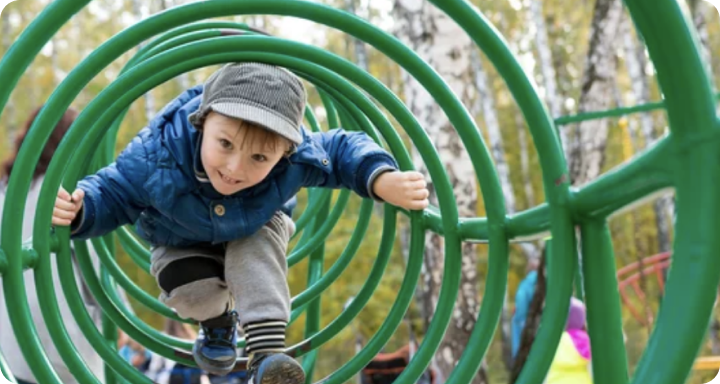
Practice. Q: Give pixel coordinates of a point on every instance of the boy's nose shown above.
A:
(236, 168)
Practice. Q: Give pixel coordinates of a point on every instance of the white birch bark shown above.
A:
(635, 60)
(149, 105)
(486, 105)
(699, 9)
(359, 48)
(587, 152)
(182, 80)
(525, 160)
(440, 42)
(547, 70)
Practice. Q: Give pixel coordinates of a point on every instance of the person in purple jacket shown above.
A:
(211, 184)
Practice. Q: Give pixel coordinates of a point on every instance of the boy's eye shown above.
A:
(259, 157)
(225, 144)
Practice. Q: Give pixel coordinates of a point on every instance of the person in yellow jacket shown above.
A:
(571, 364)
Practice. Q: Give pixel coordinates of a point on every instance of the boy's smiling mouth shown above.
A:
(228, 180)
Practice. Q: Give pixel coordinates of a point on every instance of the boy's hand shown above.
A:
(67, 207)
(402, 189)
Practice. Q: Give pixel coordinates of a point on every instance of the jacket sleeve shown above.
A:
(114, 196)
(355, 161)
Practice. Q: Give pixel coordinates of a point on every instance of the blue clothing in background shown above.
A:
(523, 297)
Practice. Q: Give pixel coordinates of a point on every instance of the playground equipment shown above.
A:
(686, 159)
(630, 276)
(652, 267)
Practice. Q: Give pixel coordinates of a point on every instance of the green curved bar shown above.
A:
(556, 186)
(689, 101)
(12, 66)
(130, 288)
(170, 341)
(89, 108)
(5, 370)
(693, 279)
(170, 40)
(86, 323)
(145, 299)
(137, 252)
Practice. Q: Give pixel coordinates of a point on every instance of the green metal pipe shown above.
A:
(87, 109)
(604, 312)
(615, 112)
(68, 281)
(315, 271)
(692, 283)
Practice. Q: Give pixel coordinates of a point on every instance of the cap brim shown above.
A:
(260, 116)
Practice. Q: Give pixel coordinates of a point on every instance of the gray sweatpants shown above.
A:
(255, 276)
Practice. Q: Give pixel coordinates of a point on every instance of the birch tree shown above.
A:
(698, 10)
(636, 62)
(587, 152)
(359, 48)
(140, 13)
(485, 106)
(587, 145)
(547, 71)
(183, 80)
(443, 44)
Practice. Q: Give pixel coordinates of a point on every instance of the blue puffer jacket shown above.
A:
(154, 182)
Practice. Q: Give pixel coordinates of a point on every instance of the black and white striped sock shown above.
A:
(265, 336)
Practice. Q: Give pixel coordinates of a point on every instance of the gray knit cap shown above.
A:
(263, 94)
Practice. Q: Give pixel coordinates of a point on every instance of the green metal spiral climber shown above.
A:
(688, 159)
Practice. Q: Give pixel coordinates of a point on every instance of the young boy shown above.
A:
(211, 183)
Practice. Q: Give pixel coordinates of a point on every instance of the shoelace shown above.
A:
(219, 335)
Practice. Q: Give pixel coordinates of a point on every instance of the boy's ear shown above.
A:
(291, 151)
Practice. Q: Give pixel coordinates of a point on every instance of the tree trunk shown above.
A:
(636, 62)
(525, 160)
(359, 48)
(183, 80)
(440, 42)
(485, 105)
(549, 83)
(699, 9)
(587, 153)
(139, 13)
(587, 149)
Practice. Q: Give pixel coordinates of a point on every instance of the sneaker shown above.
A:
(275, 368)
(215, 349)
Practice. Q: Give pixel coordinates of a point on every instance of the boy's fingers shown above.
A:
(63, 194)
(413, 175)
(419, 184)
(78, 195)
(60, 222)
(421, 194)
(65, 205)
(419, 204)
(63, 214)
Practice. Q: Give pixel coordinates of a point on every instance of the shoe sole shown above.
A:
(283, 371)
(211, 366)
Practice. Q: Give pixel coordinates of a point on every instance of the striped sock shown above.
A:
(265, 336)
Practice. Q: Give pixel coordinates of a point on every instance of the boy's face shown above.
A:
(237, 156)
